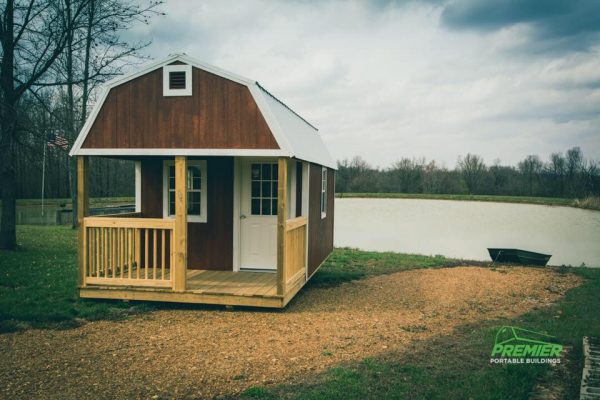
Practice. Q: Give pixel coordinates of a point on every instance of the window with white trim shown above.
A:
(196, 190)
(177, 80)
(323, 192)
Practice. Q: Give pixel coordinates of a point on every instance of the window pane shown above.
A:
(266, 171)
(274, 189)
(255, 189)
(171, 177)
(275, 168)
(255, 171)
(266, 207)
(171, 203)
(255, 207)
(266, 189)
(194, 208)
(274, 207)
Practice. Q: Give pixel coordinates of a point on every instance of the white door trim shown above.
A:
(237, 188)
(244, 201)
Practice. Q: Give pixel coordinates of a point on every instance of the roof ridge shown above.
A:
(286, 106)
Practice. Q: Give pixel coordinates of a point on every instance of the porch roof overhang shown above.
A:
(295, 136)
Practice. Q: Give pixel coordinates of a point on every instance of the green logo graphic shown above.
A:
(513, 342)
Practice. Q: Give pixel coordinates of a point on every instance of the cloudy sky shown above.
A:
(392, 79)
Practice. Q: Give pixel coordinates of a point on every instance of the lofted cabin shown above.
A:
(234, 191)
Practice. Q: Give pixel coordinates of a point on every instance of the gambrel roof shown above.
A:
(295, 136)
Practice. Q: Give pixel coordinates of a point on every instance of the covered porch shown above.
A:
(130, 256)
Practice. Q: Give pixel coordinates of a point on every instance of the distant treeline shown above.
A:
(562, 175)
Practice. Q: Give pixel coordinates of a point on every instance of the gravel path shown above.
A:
(201, 352)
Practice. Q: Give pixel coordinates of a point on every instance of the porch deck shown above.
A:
(244, 288)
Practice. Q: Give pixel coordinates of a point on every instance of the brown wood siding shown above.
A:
(210, 244)
(320, 230)
(221, 114)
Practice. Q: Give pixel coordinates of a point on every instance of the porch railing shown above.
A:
(128, 251)
(295, 250)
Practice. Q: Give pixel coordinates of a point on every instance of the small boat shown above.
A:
(518, 256)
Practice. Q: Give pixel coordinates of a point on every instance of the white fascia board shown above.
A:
(272, 122)
(183, 152)
(88, 123)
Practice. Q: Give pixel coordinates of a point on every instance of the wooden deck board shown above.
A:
(203, 286)
(234, 283)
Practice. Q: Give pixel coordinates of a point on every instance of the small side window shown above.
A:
(177, 80)
(323, 192)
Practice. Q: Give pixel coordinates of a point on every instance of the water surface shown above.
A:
(465, 229)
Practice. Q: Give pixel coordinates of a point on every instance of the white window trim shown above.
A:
(188, 80)
(323, 191)
(203, 205)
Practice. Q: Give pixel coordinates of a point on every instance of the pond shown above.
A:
(465, 229)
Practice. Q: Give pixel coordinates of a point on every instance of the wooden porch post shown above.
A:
(180, 230)
(281, 219)
(82, 212)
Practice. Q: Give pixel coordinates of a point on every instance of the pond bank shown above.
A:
(588, 203)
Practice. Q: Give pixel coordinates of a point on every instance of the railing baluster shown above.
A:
(163, 255)
(129, 246)
(138, 251)
(106, 253)
(146, 251)
(97, 235)
(154, 255)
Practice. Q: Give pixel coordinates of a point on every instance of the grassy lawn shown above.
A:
(350, 264)
(589, 203)
(38, 283)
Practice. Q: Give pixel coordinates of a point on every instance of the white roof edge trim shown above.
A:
(272, 122)
(183, 152)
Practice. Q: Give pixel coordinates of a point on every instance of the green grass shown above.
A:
(347, 264)
(457, 366)
(38, 283)
(588, 203)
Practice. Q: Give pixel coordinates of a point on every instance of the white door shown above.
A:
(258, 215)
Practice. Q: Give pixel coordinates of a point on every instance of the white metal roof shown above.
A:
(295, 136)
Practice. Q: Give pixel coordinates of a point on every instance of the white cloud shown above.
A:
(392, 82)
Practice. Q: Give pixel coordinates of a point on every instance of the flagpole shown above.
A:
(43, 176)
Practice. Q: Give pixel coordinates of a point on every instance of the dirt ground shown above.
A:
(204, 352)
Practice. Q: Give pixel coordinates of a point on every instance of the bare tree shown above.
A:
(473, 170)
(531, 167)
(94, 54)
(33, 34)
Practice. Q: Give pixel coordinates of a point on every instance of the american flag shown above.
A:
(56, 140)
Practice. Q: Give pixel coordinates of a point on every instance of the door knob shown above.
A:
(242, 216)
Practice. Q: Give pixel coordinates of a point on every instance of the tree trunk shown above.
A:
(8, 118)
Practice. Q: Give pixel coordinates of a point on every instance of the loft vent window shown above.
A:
(177, 80)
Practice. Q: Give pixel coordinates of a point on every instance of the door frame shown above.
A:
(238, 173)
(238, 165)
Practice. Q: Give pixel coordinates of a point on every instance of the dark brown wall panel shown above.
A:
(320, 230)
(210, 244)
(220, 114)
